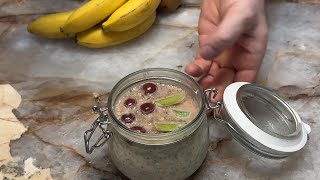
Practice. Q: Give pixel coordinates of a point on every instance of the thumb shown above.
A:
(232, 26)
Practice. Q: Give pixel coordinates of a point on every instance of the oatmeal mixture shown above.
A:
(154, 107)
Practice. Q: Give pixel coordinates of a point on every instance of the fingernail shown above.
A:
(207, 53)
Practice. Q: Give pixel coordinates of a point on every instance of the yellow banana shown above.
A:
(49, 26)
(97, 38)
(130, 14)
(90, 14)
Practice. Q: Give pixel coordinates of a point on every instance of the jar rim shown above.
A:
(157, 135)
(276, 103)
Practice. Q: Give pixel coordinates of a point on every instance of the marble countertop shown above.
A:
(53, 85)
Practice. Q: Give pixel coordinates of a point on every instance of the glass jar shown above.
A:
(255, 116)
(173, 155)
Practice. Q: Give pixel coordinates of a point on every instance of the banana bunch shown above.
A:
(99, 23)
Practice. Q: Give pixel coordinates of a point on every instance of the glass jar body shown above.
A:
(175, 160)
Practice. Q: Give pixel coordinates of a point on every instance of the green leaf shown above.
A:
(170, 100)
(181, 113)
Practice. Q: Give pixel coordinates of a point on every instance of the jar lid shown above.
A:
(262, 121)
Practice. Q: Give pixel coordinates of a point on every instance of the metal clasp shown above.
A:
(101, 121)
(214, 107)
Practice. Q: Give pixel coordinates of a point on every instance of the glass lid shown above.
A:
(262, 121)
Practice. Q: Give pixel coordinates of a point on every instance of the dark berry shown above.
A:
(130, 103)
(127, 118)
(149, 88)
(138, 129)
(147, 108)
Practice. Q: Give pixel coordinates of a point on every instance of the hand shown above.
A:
(232, 43)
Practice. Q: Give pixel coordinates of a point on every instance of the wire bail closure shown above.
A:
(101, 121)
(213, 107)
(216, 107)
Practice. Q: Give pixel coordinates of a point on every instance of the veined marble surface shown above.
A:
(60, 81)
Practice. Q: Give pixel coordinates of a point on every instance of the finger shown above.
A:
(207, 24)
(248, 63)
(245, 76)
(197, 68)
(201, 67)
(234, 24)
(209, 17)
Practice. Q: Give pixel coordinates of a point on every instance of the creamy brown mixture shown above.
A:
(140, 110)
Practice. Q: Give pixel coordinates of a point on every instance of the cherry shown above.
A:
(138, 129)
(130, 103)
(149, 88)
(127, 118)
(147, 108)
